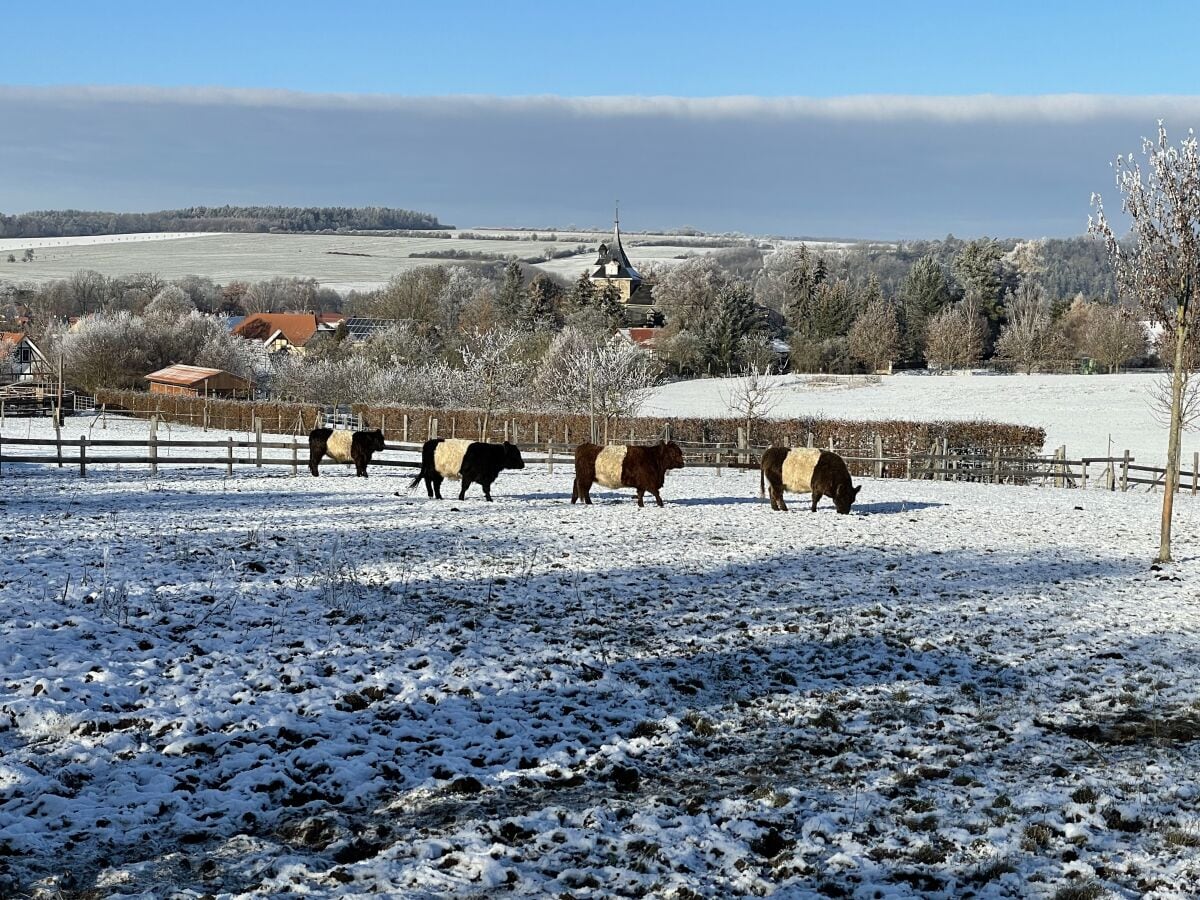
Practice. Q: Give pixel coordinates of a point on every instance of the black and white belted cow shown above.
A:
(472, 461)
(804, 470)
(343, 446)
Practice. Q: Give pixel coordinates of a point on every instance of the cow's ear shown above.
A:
(857, 489)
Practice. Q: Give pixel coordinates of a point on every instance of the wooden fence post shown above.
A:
(229, 457)
(1195, 466)
(258, 429)
(549, 457)
(1084, 465)
(58, 436)
(405, 432)
(742, 444)
(83, 456)
(506, 431)
(536, 440)
(433, 427)
(153, 447)
(995, 467)
(295, 458)
(878, 456)
(1060, 479)
(1125, 472)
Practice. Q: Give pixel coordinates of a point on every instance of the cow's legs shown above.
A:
(314, 457)
(434, 483)
(816, 498)
(487, 490)
(360, 467)
(657, 497)
(777, 500)
(641, 493)
(575, 489)
(462, 494)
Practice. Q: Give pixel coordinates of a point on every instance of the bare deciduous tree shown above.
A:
(752, 396)
(1160, 267)
(954, 337)
(874, 338)
(1030, 338)
(1113, 336)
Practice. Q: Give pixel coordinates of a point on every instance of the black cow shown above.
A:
(472, 461)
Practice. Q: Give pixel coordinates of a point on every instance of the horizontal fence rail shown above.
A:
(1114, 473)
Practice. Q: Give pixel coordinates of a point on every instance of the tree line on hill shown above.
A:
(81, 223)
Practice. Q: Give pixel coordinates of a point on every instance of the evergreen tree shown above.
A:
(542, 311)
(583, 293)
(924, 292)
(737, 317)
(511, 299)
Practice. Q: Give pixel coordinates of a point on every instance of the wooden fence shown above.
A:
(939, 463)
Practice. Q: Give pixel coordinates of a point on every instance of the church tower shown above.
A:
(613, 267)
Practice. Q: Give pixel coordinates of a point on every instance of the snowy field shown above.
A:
(1081, 411)
(271, 686)
(342, 262)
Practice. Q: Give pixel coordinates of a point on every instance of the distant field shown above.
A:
(340, 262)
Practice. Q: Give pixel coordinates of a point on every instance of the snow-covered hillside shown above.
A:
(271, 686)
(1081, 411)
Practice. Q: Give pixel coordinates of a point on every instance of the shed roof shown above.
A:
(186, 375)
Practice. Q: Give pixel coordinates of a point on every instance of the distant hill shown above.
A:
(80, 223)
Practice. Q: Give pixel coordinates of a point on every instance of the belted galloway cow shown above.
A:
(472, 461)
(343, 446)
(806, 469)
(617, 466)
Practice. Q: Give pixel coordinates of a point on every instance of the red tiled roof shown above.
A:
(643, 337)
(298, 328)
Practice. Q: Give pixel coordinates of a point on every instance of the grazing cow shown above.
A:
(822, 472)
(343, 446)
(643, 468)
(469, 460)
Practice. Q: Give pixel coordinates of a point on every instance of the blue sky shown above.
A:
(689, 49)
(874, 120)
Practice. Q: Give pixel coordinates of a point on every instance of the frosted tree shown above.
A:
(169, 304)
(1030, 338)
(494, 376)
(954, 337)
(1160, 266)
(874, 338)
(606, 377)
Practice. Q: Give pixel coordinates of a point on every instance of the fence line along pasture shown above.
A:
(939, 463)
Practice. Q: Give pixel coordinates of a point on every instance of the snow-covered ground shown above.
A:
(273, 686)
(8, 245)
(1081, 411)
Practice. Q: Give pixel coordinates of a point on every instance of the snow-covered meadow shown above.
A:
(268, 686)
(1081, 411)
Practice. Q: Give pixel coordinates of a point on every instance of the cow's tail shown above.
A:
(762, 480)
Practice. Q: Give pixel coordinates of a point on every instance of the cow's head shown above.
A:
(671, 455)
(844, 496)
(512, 456)
(373, 440)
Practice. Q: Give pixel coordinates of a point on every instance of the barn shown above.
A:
(197, 381)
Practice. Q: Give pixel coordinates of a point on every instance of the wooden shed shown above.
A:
(196, 381)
